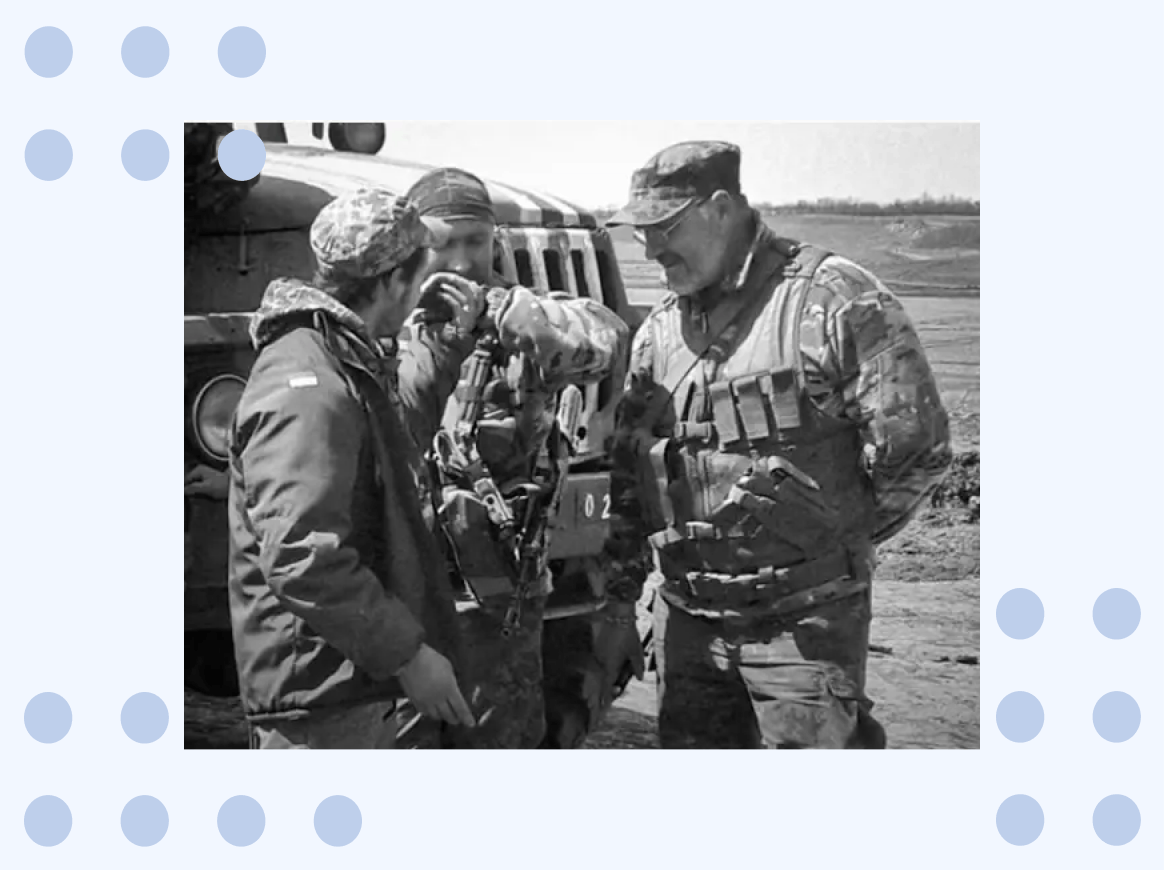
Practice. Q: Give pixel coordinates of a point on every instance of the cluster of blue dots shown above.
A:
(144, 819)
(1115, 717)
(145, 53)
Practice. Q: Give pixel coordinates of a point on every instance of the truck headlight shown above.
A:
(361, 138)
(212, 412)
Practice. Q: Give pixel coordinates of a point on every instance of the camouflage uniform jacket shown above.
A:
(335, 575)
(863, 366)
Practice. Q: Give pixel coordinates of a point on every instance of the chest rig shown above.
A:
(753, 492)
(498, 534)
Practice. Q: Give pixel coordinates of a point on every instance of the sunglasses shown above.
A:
(663, 232)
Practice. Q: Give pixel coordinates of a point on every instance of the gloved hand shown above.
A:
(446, 297)
(430, 683)
(616, 642)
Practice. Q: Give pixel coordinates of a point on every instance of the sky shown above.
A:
(590, 162)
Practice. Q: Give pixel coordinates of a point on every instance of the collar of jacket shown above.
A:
(290, 301)
(355, 348)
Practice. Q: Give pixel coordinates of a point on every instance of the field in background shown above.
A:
(931, 263)
(923, 659)
(938, 254)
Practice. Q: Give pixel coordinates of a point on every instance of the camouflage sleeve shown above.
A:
(865, 361)
(571, 340)
(626, 549)
(430, 361)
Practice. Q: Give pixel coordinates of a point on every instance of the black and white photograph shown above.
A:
(582, 435)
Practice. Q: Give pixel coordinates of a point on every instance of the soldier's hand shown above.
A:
(446, 297)
(206, 482)
(430, 683)
(520, 320)
(616, 643)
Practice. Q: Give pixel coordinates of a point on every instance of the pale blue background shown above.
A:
(1072, 178)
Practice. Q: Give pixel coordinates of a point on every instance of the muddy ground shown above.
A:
(923, 659)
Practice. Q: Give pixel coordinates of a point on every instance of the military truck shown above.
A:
(240, 236)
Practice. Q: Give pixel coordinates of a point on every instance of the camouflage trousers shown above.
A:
(368, 726)
(765, 684)
(501, 679)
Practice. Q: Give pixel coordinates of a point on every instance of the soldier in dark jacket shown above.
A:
(339, 595)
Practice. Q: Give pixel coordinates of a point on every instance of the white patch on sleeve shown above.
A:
(304, 379)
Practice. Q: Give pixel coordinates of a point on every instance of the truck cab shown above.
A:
(240, 236)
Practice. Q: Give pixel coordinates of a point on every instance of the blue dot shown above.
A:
(144, 820)
(1116, 717)
(48, 52)
(241, 51)
(144, 717)
(241, 154)
(337, 820)
(47, 821)
(1116, 820)
(145, 155)
(1019, 820)
(1019, 613)
(48, 717)
(1020, 717)
(48, 155)
(241, 820)
(1116, 613)
(145, 52)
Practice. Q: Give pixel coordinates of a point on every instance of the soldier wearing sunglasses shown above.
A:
(780, 420)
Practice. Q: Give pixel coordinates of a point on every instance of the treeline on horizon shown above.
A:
(925, 205)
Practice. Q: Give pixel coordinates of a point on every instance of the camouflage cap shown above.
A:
(365, 233)
(451, 194)
(677, 176)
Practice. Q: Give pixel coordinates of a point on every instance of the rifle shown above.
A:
(542, 506)
(458, 460)
(456, 452)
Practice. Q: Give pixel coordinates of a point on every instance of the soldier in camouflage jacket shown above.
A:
(780, 420)
(552, 341)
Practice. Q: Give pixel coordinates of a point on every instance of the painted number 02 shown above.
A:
(588, 506)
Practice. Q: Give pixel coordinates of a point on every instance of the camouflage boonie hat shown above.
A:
(676, 177)
(364, 234)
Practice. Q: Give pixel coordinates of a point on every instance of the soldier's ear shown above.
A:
(722, 204)
(498, 260)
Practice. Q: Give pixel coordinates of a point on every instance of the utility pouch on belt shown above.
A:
(484, 566)
(784, 501)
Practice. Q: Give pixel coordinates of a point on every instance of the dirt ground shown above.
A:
(923, 671)
(923, 660)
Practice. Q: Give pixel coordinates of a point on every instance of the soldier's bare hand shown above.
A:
(446, 297)
(430, 683)
(616, 644)
(207, 482)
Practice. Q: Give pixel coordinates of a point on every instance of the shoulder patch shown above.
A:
(303, 379)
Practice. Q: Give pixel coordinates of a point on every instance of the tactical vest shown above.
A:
(759, 498)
